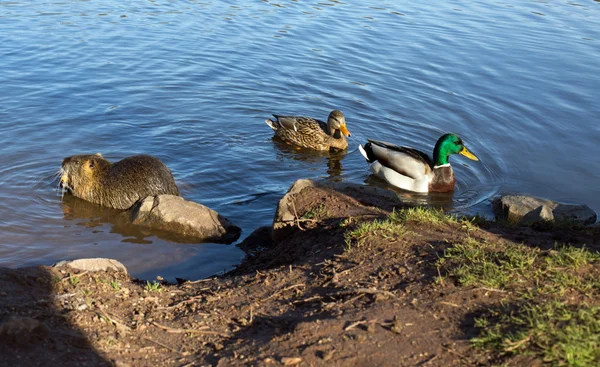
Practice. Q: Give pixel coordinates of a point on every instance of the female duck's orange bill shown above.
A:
(344, 130)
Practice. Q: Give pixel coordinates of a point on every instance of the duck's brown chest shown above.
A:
(443, 179)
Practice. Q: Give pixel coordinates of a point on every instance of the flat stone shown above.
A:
(521, 208)
(578, 213)
(515, 207)
(93, 264)
(177, 215)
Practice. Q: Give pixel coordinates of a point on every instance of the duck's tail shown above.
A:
(273, 124)
(367, 152)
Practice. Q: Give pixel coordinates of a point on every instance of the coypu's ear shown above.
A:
(99, 155)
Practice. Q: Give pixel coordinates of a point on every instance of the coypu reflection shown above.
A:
(89, 215)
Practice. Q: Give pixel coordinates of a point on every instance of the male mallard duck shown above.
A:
(413, 170)
(307, 132)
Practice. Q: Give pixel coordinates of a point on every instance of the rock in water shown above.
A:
(175, 214)
(521, 208)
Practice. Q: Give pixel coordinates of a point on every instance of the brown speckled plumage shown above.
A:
(308, 132)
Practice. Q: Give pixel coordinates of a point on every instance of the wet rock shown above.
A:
(579, 213)
(541, 214)
(22, 331)
(520, 208)
(175, 214)
(93, 264)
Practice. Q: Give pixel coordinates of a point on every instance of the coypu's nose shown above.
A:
(66, 161)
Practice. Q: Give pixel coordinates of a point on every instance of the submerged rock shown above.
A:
(175, 214)
(528, 209)
(93, 264)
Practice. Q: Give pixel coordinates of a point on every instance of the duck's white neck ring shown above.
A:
(441, 166)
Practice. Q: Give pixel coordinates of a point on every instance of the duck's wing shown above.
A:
(299, 123)
(404, 160)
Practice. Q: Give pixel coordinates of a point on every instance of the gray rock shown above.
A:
(284, 215)
(93, 264)
(578, 213)
(515, 207)
(541, 214)
(520, 208)
(175, 214)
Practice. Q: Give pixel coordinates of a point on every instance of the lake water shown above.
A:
(191, 82)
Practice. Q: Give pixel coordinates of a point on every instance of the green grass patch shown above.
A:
(473, 262)
(116, 285)
(559, 333)
(544, 312)
(153, 287)
(509, 265)
(386, 228)
(74, 280)
(572, 257)
(316, 213)
(423, 215)
(394, 226)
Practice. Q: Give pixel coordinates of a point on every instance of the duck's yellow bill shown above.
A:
(344, 130)
(468, 154)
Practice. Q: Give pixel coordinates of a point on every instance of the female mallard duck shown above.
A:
(307, 132)
(413, 170)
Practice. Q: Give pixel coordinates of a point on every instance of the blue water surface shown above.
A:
(191, 82)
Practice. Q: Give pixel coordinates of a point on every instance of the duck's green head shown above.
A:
(450, 144)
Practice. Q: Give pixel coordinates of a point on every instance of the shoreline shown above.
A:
(348, 277)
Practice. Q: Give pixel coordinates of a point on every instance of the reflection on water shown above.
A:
(435, 199)
(332, 159)
(192, 82)
(89, 215)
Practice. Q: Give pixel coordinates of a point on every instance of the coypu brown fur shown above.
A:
(117, 185)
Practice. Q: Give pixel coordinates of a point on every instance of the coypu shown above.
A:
(117, 185)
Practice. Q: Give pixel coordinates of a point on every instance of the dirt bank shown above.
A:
(348, 285)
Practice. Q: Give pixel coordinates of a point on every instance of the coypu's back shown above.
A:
(118, 185)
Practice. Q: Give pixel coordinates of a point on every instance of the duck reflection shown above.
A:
(332, 158)
(440, 200)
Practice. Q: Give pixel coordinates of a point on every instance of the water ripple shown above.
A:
(192, 82)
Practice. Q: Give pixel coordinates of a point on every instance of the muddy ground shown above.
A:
(311, 299)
